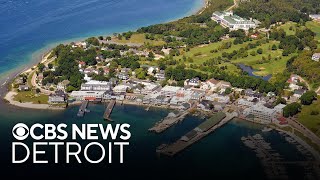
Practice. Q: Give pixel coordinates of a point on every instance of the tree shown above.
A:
(291, 109)
(108, 38)
(41, 66)
(228, 90)
(100, 37)
(274, 47)
(259, 51)
(50, 66)
(38, 90)
(308, 97)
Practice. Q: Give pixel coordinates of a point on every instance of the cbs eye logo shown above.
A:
(20, 131)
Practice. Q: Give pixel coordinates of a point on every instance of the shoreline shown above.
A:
(38, 55)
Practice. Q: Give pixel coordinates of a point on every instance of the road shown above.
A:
(295, 124)
(235, 4)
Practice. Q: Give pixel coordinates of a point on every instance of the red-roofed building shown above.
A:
(82, 64)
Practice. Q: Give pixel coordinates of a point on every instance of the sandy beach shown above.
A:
(10, 98)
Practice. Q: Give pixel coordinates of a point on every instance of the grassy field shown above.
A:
(286, 28)
(140, 38)
(315, 27)
(312, 122)
(30, 96)
(29, 79)
(276, 64)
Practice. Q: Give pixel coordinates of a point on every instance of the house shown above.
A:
(232, 21)
(192, 82)
(315, 17)
(106, 71)
(210, 85)
(169, 91)
(279, 108)
(166, 51)
(197, 95)
(122, 88)
(82, 64)
(58, 97)
(151, 70)
(40, 77)
(96, 86)
(23, 87)
(316, 57)
(63, 85)
(298, 93)
(160, 75)
(123, 76)
(223, 85)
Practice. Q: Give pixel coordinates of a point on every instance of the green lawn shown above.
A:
(286, 28)
(315, 27)
(29, 79)
(277, 63)
(312, 122)
(140, 38)
(30, 96)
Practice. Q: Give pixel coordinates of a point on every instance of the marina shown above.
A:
(204, 129)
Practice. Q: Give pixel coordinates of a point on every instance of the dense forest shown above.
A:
(272, 11)
(304, 66)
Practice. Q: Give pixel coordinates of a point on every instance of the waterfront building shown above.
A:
(23, 87)
(87, 95)
(96, 86)
(232, 21)
(261, 113)
(59, 97)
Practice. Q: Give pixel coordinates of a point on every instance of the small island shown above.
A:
(198, 63)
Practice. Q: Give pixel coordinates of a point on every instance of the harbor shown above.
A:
(216, 121)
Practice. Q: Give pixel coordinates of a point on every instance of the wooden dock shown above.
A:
(83, 109)
(181, 144)
(109, 109)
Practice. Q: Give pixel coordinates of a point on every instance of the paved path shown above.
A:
(297, 125)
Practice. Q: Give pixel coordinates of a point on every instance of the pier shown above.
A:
(83, 109)
(109, 109)
(204, 129)
(168, 121)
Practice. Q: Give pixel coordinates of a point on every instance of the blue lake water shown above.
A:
(30, 25)
(251, 71)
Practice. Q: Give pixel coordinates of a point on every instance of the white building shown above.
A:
(210, 85)
(170, 91)
(261, 113)
(316, 57)
(232, 21)
(87, 95)
(244, 102)
(96, 86)
(192, 82)
(279, 108)
(122, 88)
